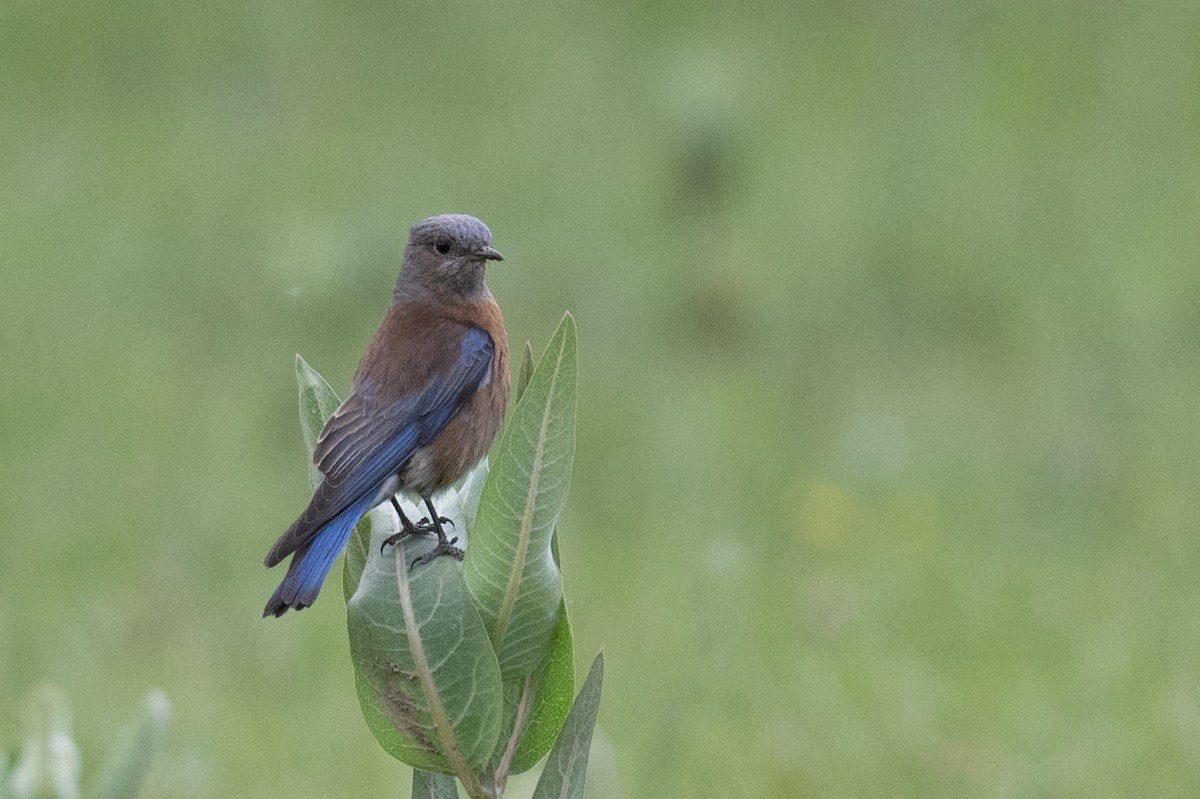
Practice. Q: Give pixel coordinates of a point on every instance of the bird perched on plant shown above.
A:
(424, 405)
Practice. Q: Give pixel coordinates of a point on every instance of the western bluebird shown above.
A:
(424, 405)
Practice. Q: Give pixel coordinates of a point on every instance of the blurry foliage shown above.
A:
(49, 766)
(886, 422)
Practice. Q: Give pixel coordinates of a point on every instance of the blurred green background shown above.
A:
(886, 475)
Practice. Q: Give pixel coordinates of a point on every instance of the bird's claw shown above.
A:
(423, 527)
(391, 540)
(443, 547)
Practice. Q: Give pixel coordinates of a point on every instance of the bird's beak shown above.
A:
(490, 254)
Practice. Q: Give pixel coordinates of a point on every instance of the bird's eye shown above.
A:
(442, 246)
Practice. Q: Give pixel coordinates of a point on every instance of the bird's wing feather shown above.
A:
(366, 441)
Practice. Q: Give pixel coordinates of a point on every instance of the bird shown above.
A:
(425, 403)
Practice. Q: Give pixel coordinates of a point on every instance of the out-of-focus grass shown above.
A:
(889, 324)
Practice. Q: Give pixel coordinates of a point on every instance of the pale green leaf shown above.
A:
(566, 768)
(469, 489)
(423, 660)
(318, 401)
(541, 702)
(509, 567)
(526, 371)
(128, 761)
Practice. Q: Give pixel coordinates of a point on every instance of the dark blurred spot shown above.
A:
(709, 316)
(707, 309)
(922, 297)
(703, 177)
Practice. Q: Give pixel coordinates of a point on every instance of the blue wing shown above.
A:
(367, 441)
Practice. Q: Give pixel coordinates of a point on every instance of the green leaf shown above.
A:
(539, 702)
(318, 401)
(129, 759)
(509, 567)
(526, 371)
(566, 769)
(460, 501)
(428, 785)
(423, 661)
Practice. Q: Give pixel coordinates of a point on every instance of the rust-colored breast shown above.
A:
(471, 431)
(414, 342)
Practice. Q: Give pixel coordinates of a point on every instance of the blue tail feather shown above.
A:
(311, 562)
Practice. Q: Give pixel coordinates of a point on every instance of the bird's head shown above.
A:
(447, 254)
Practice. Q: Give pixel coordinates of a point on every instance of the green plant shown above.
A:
(49, 765)
(467, 672)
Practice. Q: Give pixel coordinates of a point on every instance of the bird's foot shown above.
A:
(407, 528)
(391, 540)
(443, 547)
(430, 524)
(425, 526)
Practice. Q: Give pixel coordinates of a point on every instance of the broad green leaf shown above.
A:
(423, 660)
(428, 785)
(125, 767)
(566, 768)
(541, 704)
(509, 567)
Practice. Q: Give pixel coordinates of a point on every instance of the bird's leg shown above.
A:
(443, 547)
(423, 527)
(420, 528)
(407, 528)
